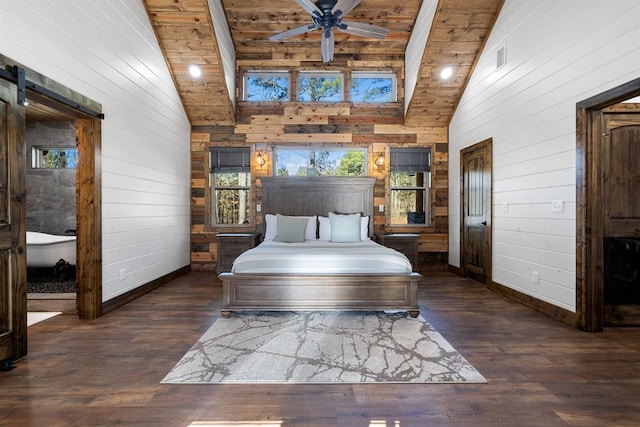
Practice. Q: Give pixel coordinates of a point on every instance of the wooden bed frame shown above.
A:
(290, 292)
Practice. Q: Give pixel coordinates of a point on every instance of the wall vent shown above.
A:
(501, 56)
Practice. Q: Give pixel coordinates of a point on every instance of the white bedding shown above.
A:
(321, 257)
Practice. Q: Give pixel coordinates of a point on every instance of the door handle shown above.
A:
(484, 223)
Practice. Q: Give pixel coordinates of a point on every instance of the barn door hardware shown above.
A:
(17, 76)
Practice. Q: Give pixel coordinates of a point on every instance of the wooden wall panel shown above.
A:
(262, 127)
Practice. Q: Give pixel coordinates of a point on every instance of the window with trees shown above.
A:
(410, 182)
(373, 87)
(266, 86)
(54, 158)
(320, 86)
(311, 161)
(230, 185)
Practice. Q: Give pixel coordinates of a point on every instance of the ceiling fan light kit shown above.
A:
(327, 15)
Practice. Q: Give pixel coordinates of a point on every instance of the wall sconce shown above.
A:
(260, 160)
(379, 162)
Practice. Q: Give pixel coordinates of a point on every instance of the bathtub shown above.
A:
(44, 250)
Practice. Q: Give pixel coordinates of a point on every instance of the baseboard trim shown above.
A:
(455, 270)
(544, 307)
(534, 303)
(136, 293)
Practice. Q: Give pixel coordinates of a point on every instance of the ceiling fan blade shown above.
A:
(327, 46)
(310, 7)
(343, 7)
(364, 30)
(293, 32)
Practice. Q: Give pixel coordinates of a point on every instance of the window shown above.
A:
(54, 158)
(310, 161)
(266, 86)
(231, 182)
(320, 87)
(373, 87)
(410, 181)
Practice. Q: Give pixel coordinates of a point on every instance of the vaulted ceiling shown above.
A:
(185, 31)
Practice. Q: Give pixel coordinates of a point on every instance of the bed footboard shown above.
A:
(278, 292)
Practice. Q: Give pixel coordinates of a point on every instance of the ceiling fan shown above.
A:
(327, 15)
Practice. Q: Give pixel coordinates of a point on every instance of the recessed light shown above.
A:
(195, 71)
(446, 73)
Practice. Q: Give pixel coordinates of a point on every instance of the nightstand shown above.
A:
(230, 245)
(402, 242)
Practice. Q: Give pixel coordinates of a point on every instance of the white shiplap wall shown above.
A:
(225, 46)
(415, 48)
(558, 53)
(107, 51)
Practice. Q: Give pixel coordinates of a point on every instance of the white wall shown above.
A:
(107, 51)
(415, 48)
(225, 47)
(558, 53)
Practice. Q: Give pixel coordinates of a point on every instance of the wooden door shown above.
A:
(13, 267)
(621, 184)
(622, 178)
(475, 247)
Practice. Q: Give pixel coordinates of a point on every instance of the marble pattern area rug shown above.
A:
(322, 347)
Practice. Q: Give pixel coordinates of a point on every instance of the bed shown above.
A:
(265, 286)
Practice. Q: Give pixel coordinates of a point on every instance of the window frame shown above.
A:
(265, 73)
(317, 148)
(375, 75)
(320, 74)
(39, 151)
(212, 216)
(426, 188)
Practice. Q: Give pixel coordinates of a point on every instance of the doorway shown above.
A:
(476, 201)
(46, 97)
(607, 156)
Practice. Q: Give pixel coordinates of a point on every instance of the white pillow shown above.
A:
(271, 228)
(345, 228)
(324, 228)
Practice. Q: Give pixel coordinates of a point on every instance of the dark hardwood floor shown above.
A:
(540, 372)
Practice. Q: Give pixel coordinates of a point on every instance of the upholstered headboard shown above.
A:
(310, 195)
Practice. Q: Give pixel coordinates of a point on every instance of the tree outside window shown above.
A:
(316, 87)
(409, 181)
(266, 86)
(231, 184)
(300, 161)
(54, 158)
(373, 87)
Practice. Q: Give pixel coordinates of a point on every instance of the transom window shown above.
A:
(266, 86)
(373, 87)
(54, 158)
(311, 161)
(230, 185)
(320, 87)
(410, 181)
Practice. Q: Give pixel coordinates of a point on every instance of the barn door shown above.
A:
(476, 212)
(13, 269)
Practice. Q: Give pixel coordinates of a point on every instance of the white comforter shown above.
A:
(320, 257)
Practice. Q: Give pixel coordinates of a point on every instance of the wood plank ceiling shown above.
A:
(185, 32)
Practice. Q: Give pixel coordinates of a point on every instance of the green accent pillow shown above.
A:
(290, 229)
(345, 228)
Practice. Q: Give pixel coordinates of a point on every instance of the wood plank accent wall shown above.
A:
(263, 126)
